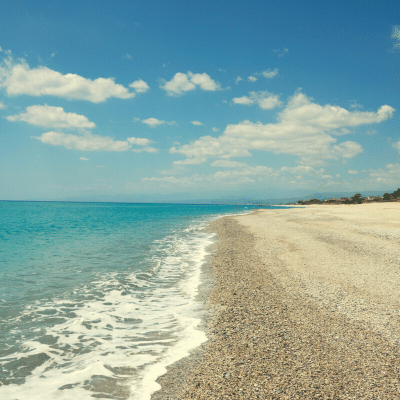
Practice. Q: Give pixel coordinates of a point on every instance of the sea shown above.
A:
(97, 299)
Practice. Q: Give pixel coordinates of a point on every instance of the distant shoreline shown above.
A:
(356, 199)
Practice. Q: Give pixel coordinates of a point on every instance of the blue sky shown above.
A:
(198, 99)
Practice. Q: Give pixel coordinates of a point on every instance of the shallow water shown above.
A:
(96, 299)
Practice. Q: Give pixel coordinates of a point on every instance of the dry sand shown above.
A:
(304, 305)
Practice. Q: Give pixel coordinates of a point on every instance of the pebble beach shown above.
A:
(300, 303)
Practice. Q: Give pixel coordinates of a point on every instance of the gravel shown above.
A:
(303, 304)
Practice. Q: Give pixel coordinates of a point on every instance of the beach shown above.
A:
(302, 303)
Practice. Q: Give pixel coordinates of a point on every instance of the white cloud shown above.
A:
(266, 100)
(196, 123)
(152, 122)
(52, 117)
(20, 79)
(190, 161)
(302, 111)
(204, 81)
(215, 129)
(356, 105)
(396, 146)
(396, 36)
(228, 164)
(352, 172)
(146, 149)
(281, 52)
(140, 86)
(390, 175)
(139, 141)
(86, 142)
(269, 74)
(84, 159)
(238, 79)
(142, 142)
(302, 169)
(2, 106)
(178, 85)
(128, 56)
(243, 100)
(182, 83)
(269, 102)
(302, 129)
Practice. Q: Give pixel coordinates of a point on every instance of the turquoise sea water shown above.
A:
(97, 298)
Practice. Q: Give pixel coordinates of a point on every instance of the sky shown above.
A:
(183, 99)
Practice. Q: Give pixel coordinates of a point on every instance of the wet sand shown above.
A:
(304, 304)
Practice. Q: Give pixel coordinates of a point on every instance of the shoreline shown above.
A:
(303, 303)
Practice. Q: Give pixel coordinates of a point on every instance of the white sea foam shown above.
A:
(119, 335)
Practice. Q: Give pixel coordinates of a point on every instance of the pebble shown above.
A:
(286, 338)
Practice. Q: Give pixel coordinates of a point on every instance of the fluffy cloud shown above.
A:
(140, 86)
(203, 81)
(238, 79)
(228, 164)
(388, 176)
(352, 172)
(52, 117)
(266, 100)
(269, 74)
(396, 36)
(182, 83)
(302, 129)
(86, 142)
(142, 142)
(302, 169)
(301, 111)
(20, 79)
(146, 149)
(178, 85)
(139, 141)
(2, 105)
(191, 161)
(247, 101)
(281, 52)
(89, 142)
(396, 146)
(196, 123)
(153, 122)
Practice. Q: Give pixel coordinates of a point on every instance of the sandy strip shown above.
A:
(305, 304)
